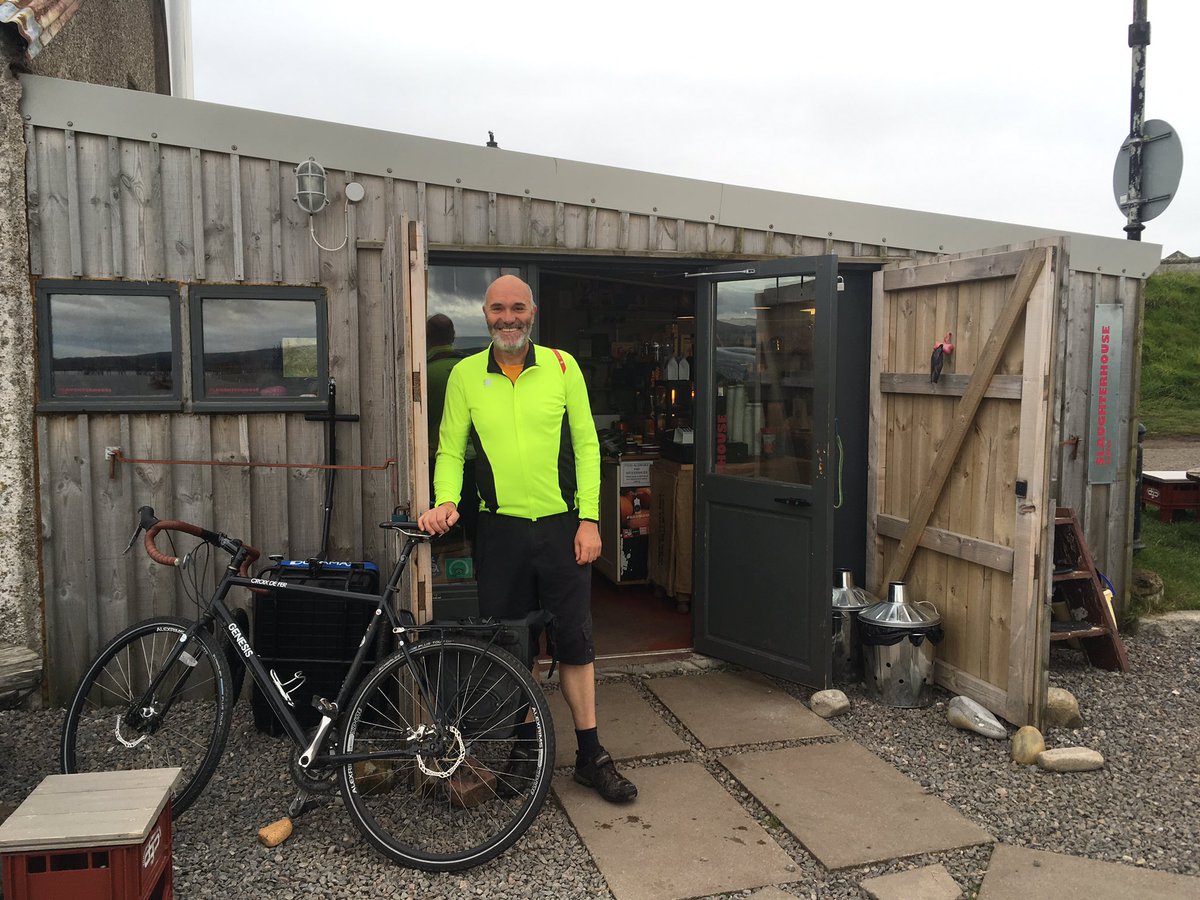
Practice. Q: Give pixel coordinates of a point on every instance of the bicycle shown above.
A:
(424, 746)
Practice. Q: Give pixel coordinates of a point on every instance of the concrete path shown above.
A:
(688, 834)
(848, 807)
(1018, 874)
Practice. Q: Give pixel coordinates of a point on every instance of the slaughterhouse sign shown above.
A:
(1103, 443)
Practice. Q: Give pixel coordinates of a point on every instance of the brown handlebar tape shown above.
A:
(188, 528)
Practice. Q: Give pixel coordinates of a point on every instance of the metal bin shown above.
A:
(899, 639)
(848, 602)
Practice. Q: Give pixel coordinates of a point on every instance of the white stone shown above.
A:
(965, 713)
(1070, 759)
(828, 704)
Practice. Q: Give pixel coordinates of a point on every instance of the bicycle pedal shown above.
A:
(325, 707)
(301, 803)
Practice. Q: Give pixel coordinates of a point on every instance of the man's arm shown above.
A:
(452, 443)
(586, 447)
(584, 443)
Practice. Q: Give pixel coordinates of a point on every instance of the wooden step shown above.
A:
(1079, 587)
(20, 669)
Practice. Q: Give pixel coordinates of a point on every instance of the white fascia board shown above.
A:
(136, 115)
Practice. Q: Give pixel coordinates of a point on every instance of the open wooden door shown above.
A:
(405, 264)
(959, 503)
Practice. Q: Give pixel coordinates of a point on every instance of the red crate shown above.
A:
(71, 868)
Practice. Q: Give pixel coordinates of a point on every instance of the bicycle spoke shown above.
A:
(114, 723)
(460, 801)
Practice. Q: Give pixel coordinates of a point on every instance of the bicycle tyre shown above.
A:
(97, 735)
(441, 824)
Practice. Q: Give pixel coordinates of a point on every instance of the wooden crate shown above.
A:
(92, 836)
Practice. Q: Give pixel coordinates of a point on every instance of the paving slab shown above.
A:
(726, 709)
(848, 807)
(1018, 874)
(629, 727)
(684, 836)
(925, 883)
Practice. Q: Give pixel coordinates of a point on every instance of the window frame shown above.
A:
(197, 293)
(47, 402)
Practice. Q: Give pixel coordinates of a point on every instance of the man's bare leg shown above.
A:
(578, 685)
(594, 767)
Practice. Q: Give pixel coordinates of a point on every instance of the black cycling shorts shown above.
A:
(523, 565)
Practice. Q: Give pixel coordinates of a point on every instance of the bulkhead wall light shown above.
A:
(311, 196)
(310, 186)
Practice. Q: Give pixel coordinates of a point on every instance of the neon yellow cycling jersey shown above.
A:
(535, 440)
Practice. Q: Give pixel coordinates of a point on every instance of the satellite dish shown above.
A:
(1162, 165)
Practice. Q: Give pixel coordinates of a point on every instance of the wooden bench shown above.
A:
(20, 672)
(93, 835)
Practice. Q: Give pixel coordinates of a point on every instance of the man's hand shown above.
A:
(587, 543)
(441, 519)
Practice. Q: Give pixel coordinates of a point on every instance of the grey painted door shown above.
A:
(765, 357)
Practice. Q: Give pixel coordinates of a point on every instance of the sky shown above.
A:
(1012, 111)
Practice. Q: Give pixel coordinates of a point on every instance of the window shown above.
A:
(108, 345)
(258, 348)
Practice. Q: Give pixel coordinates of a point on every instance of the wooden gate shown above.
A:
(960, 469)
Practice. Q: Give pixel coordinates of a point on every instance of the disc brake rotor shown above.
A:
(434, 767)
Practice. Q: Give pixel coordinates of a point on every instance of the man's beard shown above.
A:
(510, 344)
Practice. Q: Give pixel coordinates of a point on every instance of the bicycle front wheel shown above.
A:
(457, 782)
(112, 724)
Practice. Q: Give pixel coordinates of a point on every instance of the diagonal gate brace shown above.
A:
(968, 406)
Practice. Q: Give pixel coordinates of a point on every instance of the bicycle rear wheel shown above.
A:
(466, 789)
(184, 724)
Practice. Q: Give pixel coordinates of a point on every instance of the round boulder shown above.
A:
(1062, 709)
(1027, 743)
(828, 704)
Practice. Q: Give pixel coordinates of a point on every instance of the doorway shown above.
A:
(631, 327)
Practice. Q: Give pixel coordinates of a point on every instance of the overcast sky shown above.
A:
(1008, 110)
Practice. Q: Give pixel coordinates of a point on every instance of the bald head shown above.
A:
(509, 310)
(509, 287)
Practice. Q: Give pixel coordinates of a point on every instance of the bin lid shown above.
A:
(846, 595)
(899, 613)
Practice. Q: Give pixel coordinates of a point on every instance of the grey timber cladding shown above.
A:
(140, 211)
(714, 212)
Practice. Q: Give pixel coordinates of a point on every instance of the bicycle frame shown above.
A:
(218, 610)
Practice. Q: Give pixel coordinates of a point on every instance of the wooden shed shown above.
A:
(184, 211)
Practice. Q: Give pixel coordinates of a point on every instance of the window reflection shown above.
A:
(763, 378)
(105, 345)
(260, 348)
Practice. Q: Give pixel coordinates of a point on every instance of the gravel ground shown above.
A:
(1142, 808)
(1171, 454)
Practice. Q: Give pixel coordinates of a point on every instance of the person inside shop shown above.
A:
(440, 358)
(525, 407)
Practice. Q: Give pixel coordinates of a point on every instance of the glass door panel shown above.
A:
(763, 366)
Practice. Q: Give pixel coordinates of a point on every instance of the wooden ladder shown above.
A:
(1077, 584)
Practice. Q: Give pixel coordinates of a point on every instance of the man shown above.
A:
(526, 410)
(441, 357)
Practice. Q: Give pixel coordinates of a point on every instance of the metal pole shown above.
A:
(1139, 38)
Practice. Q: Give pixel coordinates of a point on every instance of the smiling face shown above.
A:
(509, 310)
